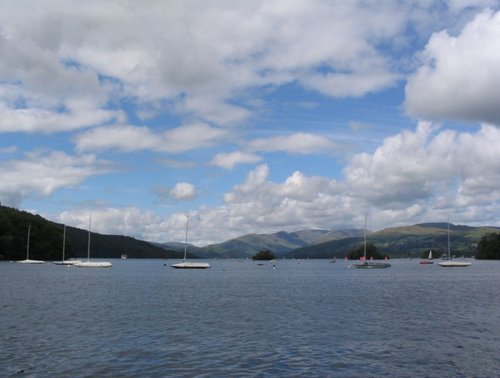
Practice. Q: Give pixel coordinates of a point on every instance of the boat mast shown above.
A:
(364, 248)
(64, 241)
(88, 241)
(28, 244)
(449, 253)
(186, 238)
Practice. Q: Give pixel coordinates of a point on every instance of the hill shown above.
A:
(280, 243)
(46, 240)
(408, 241)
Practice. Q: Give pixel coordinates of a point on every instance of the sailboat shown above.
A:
(369, 264)
(186, 264)
(28, 261)
(450, 263)
(92, 264)
(429, 259)
(66, 262)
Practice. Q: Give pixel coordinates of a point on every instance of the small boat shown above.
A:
(369, 264)
(124, 257)
(185, 264)
(429, 259)
(92, 264)
(450, 263)
(28, 261)
(63, 261)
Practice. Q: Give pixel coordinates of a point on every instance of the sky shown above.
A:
(250, 116)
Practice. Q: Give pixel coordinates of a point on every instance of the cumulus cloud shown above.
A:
(415, 176)
(183, 191)
(459, 76)
(430, 172)
(42, 174)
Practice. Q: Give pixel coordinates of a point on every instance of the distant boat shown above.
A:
(369, 264)
(450, 263)
(66, 262)
(429, 259)
(92, 264)
(124, 257)
(185, 264)
(28, 261)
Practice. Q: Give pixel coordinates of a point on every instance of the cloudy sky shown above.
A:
(251, 116)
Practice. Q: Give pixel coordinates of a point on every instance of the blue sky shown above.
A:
(253, 117)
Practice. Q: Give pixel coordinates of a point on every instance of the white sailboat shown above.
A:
(429, 259)
(63, 261)
(369, 264)
(92, 264)
(28, 261)
(186, 264)
(450, 263)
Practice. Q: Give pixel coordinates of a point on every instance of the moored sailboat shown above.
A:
(429, 259)
(186, 264)
(369, 264)
(63, 261)
(27, 260)
(451, 263)
(92, 264)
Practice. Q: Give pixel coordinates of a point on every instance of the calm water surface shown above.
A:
(302, 318)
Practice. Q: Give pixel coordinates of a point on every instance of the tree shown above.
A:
(489, 247)
(264, 255)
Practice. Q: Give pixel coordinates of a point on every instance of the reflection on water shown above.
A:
(313, 318)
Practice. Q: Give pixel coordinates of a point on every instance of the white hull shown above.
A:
(454, 264)
(28, 261)
(191, 265)
(67, 262)
(94, 264)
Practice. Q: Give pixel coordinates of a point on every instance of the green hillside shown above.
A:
(46, 240)
(409, 241)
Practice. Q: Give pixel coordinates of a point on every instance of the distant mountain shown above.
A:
(408, 241)
(46, 240)
(280, 243)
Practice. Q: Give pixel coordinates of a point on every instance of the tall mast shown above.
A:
(186, 239)
(88, 242)
(28, 244)
(64, 241)
(364, 248)
(449, 253)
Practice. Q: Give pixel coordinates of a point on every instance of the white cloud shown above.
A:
(183, 191)
(434, 172)
(459, 77)
(298, 143)
(49, 121)
(132, 138)
(202, 58)
(42, 174)
(428, 174)
(231, 159)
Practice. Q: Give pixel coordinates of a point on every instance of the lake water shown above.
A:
(308, 318)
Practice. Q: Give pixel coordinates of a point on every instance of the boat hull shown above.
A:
(67, 262)
(190, 265)
(371, 265)
(426, 262)
(28, 261)
(94, 264)
(454, 264)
